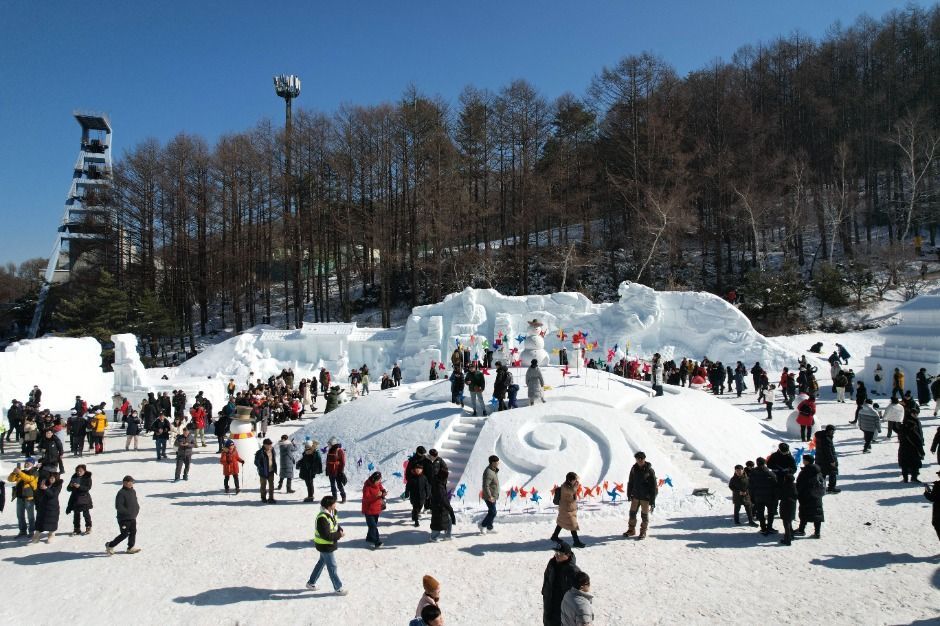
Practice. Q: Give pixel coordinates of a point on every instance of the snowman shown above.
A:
(534, 345)
(240, 429)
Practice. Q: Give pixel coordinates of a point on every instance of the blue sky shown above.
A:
(160, 68)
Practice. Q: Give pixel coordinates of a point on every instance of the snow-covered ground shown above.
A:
(223, 559)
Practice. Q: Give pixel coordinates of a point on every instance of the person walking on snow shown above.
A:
(932, 493)
(185, 443)
(762, 486)
(125, 503)
(869, 422)
(788, 499)
(911, 446)
(25, 481)
(231, 465)
(556, 581)
(641, 492)
(325, 540)
(568, 510)
(490, 494)
(477, 384)
(534, 383)
(47, 507)
(806, 417)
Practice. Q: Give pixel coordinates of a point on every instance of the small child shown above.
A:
(769, 400)
(513, 392)
(739, 495)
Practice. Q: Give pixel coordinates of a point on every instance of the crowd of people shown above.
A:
(767, 489)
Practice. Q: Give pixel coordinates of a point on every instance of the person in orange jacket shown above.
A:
(231, 464)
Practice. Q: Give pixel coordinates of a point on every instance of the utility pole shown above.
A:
(288, 87)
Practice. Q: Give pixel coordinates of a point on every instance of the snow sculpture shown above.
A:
(245, 441)
(129, 371)
(534, 345)
(911, 345)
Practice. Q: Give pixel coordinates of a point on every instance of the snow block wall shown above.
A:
(910, 345)
(63, 367)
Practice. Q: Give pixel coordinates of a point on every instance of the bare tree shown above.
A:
(918, 144)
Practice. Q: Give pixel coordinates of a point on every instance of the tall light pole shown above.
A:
(288, 87)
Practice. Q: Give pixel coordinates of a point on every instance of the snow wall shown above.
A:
(63, 368)
(643, 321)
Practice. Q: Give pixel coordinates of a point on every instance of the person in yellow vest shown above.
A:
(99, 424)
(328, 534)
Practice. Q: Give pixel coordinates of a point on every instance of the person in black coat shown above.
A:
(911, 446)
(788, 498)
(826, 457)
(781, 461)
(557, 580)
(762, 485)
(50, 453)
(932, 493)
(810, 488)
(419, 491)
(76, 427)
(127, 508)
(221, 429)
(310, 464)
(80, 503)
(47, 506)
(442, 513)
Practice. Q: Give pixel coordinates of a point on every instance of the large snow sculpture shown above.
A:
(534, 345)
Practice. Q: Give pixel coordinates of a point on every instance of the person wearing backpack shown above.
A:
(810, 488)
(566, 497)
(336, 468)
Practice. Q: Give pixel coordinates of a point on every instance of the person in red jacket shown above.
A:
(806, 417)
(231, 464)
(199, 419)
(295, 409)
(373, 501)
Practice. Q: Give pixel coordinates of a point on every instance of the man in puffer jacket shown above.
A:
(869, 422)
(641, 491)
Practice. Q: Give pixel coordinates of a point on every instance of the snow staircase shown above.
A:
(457, 443)
(686, 459)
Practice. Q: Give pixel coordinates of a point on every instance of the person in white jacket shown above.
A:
(534, 382)
(894, 415)
(576, 609)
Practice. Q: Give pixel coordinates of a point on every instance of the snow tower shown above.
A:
(85, 222)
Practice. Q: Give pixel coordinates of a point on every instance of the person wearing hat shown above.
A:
(25, 480)
(826, 457)
(431, 595)
(932, 493)
(125, 503)
(231, 465)
(266, 464)
(556, 581)
(641, 492)
(336, 468)
(310, 464)
(576, 609)
(534, 382)
(325, 540)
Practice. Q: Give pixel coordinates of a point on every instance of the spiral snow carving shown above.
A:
(553, 441)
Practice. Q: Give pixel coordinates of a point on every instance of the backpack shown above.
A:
(556, 497)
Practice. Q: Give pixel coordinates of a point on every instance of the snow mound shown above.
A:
(591, 425)
(63, 367)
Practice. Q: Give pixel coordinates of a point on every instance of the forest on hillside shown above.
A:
(797, 160)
